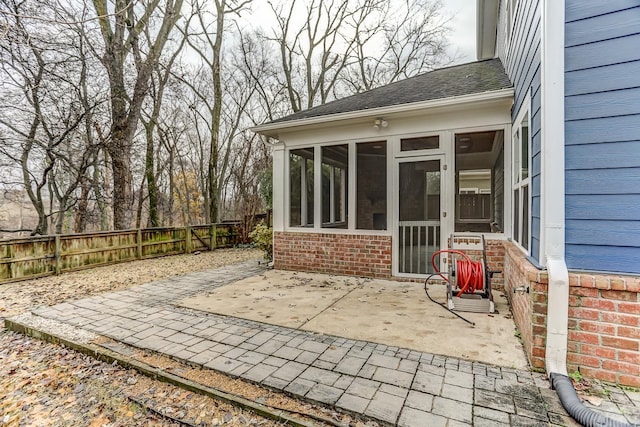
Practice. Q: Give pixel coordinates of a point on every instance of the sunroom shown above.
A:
(374, 184)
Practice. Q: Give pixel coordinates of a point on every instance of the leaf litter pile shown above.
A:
(20, 296)
(44, 384)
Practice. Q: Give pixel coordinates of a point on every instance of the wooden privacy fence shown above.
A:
(40, 256)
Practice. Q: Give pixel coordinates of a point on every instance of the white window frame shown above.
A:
(517, 182)
(303, 194)
(343, 195)
(350, 205)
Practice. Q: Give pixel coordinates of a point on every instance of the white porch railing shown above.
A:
(417, 242)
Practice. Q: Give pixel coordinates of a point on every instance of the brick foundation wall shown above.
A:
(604, 320)
(353, 255)
(604, 327)
(529, 310)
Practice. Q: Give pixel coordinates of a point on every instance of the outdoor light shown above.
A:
(378, 123)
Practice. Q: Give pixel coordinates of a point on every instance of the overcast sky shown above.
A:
(463, 36)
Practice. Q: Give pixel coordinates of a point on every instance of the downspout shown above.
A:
(552, 147)
(553, 213)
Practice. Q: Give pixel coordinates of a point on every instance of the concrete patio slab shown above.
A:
(389, 384)
(281, 298)
(388, 312)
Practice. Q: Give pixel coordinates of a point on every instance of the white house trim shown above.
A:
(525, 109)
(280, 184)
(487, 21)
(552, 226)
(273, 129)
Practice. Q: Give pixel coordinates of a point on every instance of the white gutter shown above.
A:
(272, 129)
(553, 191)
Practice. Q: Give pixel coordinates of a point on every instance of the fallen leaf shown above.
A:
(99, 422)
(594, 400)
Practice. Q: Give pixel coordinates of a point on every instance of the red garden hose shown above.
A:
(470, 273)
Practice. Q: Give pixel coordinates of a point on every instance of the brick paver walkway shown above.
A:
(394, 385)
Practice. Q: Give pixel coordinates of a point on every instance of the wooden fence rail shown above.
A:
(33, 257)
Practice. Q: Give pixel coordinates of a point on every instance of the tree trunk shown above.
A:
(149, 169)
(214, 196)
(80, 223)
(121, 40)
(122, 180)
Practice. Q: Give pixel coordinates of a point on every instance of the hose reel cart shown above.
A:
(468, 281)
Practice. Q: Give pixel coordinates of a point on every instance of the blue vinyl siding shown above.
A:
(522, 63)
(602, 128)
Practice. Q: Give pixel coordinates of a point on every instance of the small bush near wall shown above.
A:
(262, 237)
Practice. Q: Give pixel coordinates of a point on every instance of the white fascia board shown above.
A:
(486, 28)
(273, 129)
(553, 183)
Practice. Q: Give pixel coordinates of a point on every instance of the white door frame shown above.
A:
(446, 202)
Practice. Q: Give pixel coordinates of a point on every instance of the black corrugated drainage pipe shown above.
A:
(569, 399)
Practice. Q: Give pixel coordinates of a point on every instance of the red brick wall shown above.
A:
(353, 255)
(529, 309)
(357, 255)
(604, 320)
(604, 327)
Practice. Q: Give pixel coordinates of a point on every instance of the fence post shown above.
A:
(57, 254)
(9, 254)
(187, 239)
(139, 243)
(214, 236)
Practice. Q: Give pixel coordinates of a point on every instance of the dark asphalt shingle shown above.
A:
(465, 79)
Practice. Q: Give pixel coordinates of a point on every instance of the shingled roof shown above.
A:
(465, 79)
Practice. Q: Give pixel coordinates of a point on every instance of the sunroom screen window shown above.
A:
(479, 182)
(335, 170)
(371, 183)
(420, 143)
(301, 188)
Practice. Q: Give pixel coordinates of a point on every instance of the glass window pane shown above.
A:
(525, 147)
(516, 216)
(335, 163)
(301, 188)
(371, 183)
(525, 217)
(516, 156)
(420, 143)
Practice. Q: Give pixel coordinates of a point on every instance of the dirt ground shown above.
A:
(48, 385)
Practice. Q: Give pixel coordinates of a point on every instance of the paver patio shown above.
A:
(398, 386)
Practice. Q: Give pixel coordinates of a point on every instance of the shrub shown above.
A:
(262, 237)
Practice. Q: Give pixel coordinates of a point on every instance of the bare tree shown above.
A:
(406, 38)
(346, 47)
(121, 28)
(206, 40)
(159, 79)
(43, 110)
(102, 117)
